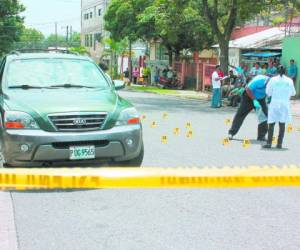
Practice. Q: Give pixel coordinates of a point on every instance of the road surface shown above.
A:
(171, 219)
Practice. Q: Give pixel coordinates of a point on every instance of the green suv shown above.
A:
(59, 107)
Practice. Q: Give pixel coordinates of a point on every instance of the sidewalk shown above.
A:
(186, 94)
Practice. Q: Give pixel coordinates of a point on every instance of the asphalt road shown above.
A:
(172, 219)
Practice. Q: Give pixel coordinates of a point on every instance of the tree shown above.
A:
(178, 25)
(31, 35)
(222, 17)
(81, 50)
(114, 49)
(11, 23)
(121, 20)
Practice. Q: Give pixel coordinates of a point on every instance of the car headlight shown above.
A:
(19, 120)
(128, 116)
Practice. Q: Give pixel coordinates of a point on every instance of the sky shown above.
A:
(42, 15)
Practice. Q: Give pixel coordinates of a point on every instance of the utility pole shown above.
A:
(67, 36)
(71, 32)
(56, 36)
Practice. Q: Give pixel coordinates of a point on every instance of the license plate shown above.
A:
(82, 153)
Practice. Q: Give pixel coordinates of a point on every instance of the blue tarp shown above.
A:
(262, 54)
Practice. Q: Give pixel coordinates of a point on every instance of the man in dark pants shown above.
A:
(254, 97)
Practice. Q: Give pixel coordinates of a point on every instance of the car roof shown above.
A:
(43, 55)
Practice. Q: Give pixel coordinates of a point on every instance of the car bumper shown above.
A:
(54, 146)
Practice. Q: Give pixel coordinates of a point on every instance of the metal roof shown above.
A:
(267, 39)
(261, 54)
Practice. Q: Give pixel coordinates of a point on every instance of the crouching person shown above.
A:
(280, 89)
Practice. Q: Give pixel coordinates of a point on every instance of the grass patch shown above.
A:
(154, 90)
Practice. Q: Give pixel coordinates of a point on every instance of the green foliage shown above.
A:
(11, 23)
(178, 24)
(76, 37)
(81, 50)
(121, 19)
(31, 35)
(113, 49)
(224, 15)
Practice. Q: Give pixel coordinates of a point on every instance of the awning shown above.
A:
(262, 54)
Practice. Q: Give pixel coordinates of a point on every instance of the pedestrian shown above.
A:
(293, 71)
(280, 89)
(136, 74)
(156, 75)
(216, 84)
(271, 70)
(254, 97)
(256, 70)
(264, 69)
(126, 77)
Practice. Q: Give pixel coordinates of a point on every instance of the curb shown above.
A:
(170, 95)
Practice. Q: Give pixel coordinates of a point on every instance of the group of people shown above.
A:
(233, 85)
(266, 89)
(278, 90)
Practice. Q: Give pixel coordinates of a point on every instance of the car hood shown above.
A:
(44, 102)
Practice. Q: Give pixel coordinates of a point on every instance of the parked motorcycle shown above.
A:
(173, 83)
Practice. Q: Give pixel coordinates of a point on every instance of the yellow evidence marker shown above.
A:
(153, 125)
(165, 116)
(274, 141)
(290, 128)
(227, 121)
(226, 142)
(176, 131)
(188, 125)
(164, 139)
(189, 134)
(246, 143)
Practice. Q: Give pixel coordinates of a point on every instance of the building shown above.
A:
(92, 26)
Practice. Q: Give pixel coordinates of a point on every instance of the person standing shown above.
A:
(136, 74)
(271, 70)
(293, 71)
(280, 89)
(126, 77)
(216, 85)
(254, 97)
(255, 71)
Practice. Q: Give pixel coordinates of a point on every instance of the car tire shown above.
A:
(135, 162)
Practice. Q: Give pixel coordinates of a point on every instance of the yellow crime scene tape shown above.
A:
(90, 178)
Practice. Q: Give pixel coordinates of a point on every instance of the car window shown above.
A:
(49, 72)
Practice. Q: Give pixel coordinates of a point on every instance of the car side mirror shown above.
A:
(119, 84)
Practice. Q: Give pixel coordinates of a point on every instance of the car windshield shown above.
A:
(57, 72)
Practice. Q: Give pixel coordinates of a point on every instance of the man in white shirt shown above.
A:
(216, 84)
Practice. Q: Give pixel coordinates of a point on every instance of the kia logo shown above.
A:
(79, 121)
